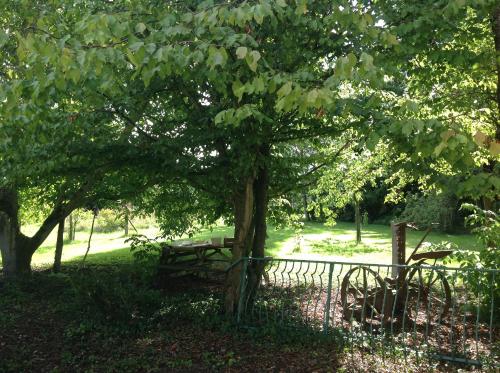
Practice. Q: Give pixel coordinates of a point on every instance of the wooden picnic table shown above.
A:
(194, 256)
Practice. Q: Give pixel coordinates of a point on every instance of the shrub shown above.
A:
(486, 225)
(114, 296)
(427, 210)
(144, 249)
(108, 221)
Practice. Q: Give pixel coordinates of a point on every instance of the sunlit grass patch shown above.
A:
(332, 246)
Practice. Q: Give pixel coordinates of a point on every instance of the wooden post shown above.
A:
(398, 246)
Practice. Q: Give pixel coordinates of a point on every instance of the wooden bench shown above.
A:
(193, 257)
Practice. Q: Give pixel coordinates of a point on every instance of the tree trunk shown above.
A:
(126, 222)
(243, 213)
(321, 213)
(71, 228)
(496, 36)
(357, 219)
(59, 247)
(256, 269)
(306, 212)
(16, 253)
(15, 248)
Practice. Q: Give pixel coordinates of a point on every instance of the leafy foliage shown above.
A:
(144, 249)
(429, 210)
(177, 106)
(486, 225)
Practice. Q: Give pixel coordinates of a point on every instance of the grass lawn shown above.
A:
(316, 241)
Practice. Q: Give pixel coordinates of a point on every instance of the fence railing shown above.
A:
(427, 311)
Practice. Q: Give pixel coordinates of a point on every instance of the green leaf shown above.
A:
(285, 89)
(312, 96)
(74, 74)
(351, 58)
(259, 85)
(439, 149)
(241, 52)
(238, 89)
(135, 46)
(4, 38)
(407, 128)
(301, 7)
(257, 14)
(392, 40)
(372, 141)
(281, 3)
(188, 17)
(80, 57)
(140, 28)
(219, 118)
(132, 58)
(252, 58)
(367, 61)
(216, 56)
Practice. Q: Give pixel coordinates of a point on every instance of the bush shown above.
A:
(424, 211)
(145, 250)
(115, 296)
(108, 221)
(486, 225)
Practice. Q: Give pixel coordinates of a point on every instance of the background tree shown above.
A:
(52, 146)
(448, 61)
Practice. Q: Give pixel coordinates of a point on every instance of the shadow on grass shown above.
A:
(117, 256)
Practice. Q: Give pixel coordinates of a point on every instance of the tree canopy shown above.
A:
(202, 109)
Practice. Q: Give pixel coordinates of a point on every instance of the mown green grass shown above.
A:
(315, 241)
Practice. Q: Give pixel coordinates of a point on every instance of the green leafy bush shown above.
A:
(197, 307)
(115, 296)
(481, 283)
(108, 221)
(144, 249)
(424, 211)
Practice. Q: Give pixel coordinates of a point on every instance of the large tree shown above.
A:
(223, 83)
(59, 149)
(214, 94)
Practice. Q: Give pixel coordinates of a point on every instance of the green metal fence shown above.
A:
(425, 312)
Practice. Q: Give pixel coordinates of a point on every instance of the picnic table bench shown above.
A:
(194, 257)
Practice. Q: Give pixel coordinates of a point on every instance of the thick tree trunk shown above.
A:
(256, 270)
(16, 255)
(59, 247)
(243, 214)
(357, 219)
(16, 249)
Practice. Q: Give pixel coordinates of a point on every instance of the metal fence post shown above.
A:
(326, 320)
(241, 301)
